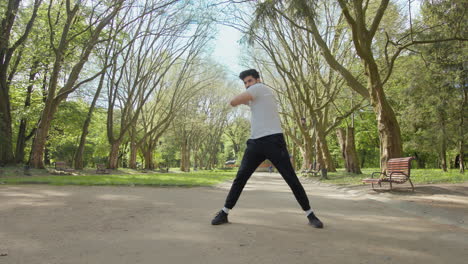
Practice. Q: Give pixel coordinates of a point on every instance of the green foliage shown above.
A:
(367, 138)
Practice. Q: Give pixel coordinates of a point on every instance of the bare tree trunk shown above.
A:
(185, 156)
(320, 163)
(352, 160)
(7, 49)
(443, 149)
(22, 138)
(133, 149)
(461, 127)
(79, 152)
(148, 155)
(354, 12)
(6, 135)
(341, 136)
(307, 153)
(462, 157)
(325, 152)
(114, 155)
(54, 97)
(443, 158)
(47, 155)
(389, 129)
(132, 164)
(40, 139)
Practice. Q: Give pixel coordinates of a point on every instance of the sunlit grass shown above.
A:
(14, 175)
(421, 176)
(198, 178)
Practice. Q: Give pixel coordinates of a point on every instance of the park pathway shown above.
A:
(100, 225)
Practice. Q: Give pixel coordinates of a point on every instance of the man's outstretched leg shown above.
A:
(279, 156)
(252, 158)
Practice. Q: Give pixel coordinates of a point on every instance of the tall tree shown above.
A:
(308, 83)
(69, 32)
(9, 43)
(364, 23)
(156, 44)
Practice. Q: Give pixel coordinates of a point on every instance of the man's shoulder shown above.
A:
(258, 86)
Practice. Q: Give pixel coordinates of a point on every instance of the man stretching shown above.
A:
(266, 142)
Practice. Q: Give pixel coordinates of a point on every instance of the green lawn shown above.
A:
(14, 175)
(121, 177)
(421, 176)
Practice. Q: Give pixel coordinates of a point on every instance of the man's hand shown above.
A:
(242, 98)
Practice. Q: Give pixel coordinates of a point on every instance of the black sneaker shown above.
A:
(314, 221)
(220, 218)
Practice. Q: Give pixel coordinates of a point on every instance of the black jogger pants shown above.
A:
(273, 148)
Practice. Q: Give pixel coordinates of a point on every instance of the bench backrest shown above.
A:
(101, 166)
(399, 168)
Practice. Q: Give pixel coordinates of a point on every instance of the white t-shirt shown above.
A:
(265, 119)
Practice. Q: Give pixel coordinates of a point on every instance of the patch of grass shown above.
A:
(421, 176)
(198, 178)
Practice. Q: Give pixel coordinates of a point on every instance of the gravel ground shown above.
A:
(99, 224)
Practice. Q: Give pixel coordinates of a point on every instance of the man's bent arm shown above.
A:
(242, 98)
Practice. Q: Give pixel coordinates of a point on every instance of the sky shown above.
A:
(227, 50)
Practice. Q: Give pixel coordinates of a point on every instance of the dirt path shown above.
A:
(73, 224)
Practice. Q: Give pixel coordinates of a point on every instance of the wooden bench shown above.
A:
(398, 171)
(310, 170)
(62, 166)
(102, 169)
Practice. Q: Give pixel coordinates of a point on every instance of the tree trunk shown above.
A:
(307, 153)
(133, 149)
(389, 129)
(196, 158)
(294, 160)
(149, 162)
(348, 149)
(320, 163)
(114, 155)
(326, 156)
(133, 156)
(421, 163)
(443, 149)
(84, 132)
(40, 139)
(47, 155)
(352, 160)
(341, 136)
(307, 156)
(7, 49)
(79, 164)
(52, 102)
(21, 139)
(462, 157)
(461, 128)
(6, 135)
(443, 159)
(185, 157)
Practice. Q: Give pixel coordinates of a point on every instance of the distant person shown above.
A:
(266, 142)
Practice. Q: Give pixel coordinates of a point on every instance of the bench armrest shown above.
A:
(378, 172)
